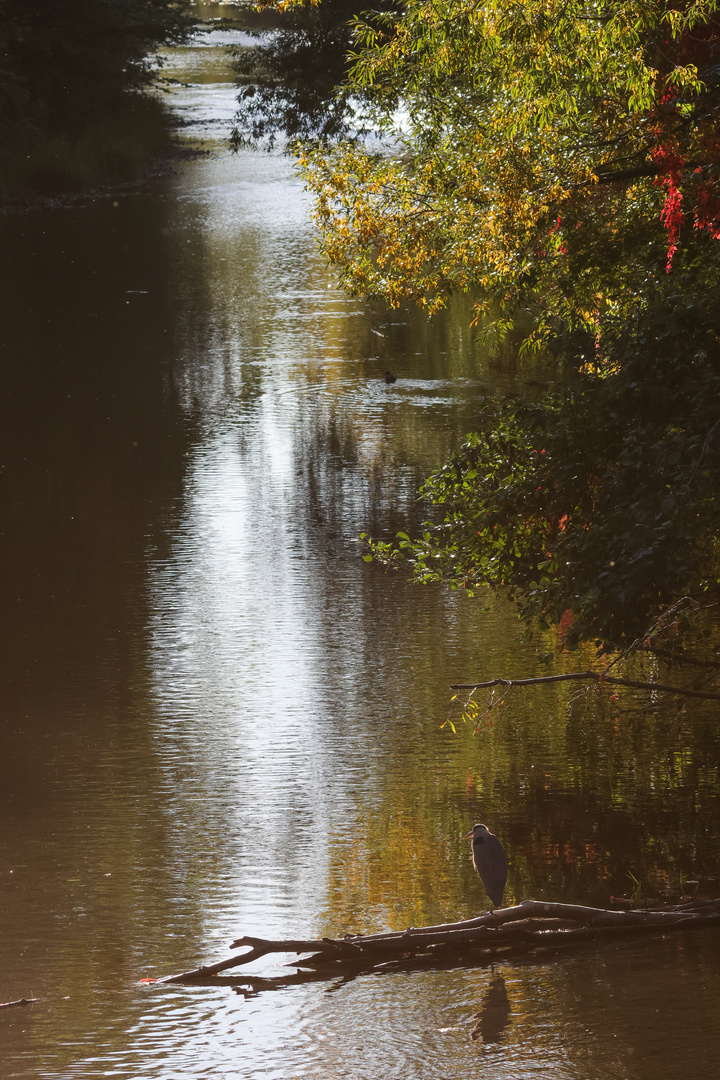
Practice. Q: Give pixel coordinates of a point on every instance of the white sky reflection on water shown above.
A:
(237, 601)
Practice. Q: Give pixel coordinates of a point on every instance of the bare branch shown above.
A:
(648, 168)
(592, 676)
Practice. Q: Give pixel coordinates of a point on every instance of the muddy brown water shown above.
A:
(217, 719)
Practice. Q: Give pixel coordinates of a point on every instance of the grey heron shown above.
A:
(490, 861)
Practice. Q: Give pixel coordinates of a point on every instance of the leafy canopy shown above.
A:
(539, 151)
(599, 500)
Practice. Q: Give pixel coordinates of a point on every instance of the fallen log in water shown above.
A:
(527, 927)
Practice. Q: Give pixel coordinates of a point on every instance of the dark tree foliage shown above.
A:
(294, 81)
(600, 500)
(66, 62)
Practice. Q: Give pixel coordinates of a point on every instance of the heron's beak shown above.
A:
(468, 836)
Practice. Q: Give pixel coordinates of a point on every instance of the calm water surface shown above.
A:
(217, 719)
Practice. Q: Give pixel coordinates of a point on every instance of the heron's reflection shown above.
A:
(494, 1016)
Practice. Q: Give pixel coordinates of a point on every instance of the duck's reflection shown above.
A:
(494, 1016)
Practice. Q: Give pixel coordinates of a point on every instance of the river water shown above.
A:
(217, 719)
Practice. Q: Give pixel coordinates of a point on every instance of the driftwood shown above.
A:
(17, 1004)
(528, 927)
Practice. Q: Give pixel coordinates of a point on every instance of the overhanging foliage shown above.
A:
(548, 151)
(561, 160)
(600, 499)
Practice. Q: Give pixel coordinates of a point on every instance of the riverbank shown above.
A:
(139, 134)
(138, 139)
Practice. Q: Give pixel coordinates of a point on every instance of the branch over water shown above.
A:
(524, 928)
(593, 676)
